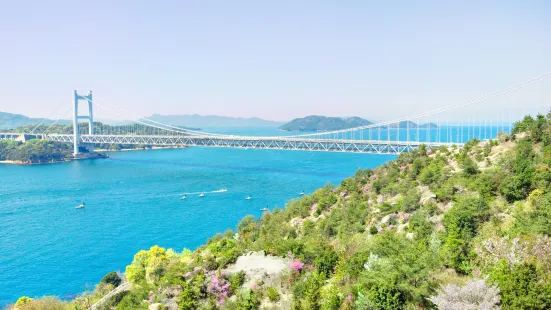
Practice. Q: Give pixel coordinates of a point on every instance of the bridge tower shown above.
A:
(76, 118)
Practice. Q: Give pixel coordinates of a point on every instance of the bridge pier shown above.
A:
(76, 118)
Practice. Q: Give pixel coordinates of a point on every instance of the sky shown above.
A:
(271, 59)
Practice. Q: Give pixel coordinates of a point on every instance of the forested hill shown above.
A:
(436, 228)
(323, 123)
(11, 121)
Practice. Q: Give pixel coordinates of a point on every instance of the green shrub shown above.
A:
(248, 301)
(236, 281)
(272, 294)
(523, 287)
(111, 278)
(373, 230)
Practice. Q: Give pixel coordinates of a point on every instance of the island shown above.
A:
(323, 123)
(436, 228)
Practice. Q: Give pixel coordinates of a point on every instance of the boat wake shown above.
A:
(223, 190)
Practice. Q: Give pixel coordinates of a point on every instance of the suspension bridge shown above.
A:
(450, 126)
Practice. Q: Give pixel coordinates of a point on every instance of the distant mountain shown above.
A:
(323, 123)
(12, 121)
(211, 121)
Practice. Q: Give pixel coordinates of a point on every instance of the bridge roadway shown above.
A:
(275, 143)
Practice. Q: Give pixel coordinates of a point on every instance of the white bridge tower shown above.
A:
(76, 118)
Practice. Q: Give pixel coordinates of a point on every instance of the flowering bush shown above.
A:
(296, 265)
(220, 288)
(494, 250)
(474, 295)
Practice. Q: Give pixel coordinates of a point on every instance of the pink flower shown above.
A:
(477, 273)
(314, 207)
(349, 298)
(296, 265)
(188, 275)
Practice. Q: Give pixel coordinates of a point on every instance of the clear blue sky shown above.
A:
(277, 60)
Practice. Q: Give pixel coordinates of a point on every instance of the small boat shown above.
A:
(80, 206)
(248, 197)
(183, 197)
(202, 194)
(302, 193)
(264, 209)
(223, 190)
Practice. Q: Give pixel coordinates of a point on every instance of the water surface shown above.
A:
(133, 202)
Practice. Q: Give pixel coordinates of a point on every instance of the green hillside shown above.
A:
(436, 228)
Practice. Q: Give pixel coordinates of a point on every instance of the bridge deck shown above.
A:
(277, 143)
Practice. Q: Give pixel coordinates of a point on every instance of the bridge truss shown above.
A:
(274, 143)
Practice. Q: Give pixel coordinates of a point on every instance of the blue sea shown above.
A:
(133, 202)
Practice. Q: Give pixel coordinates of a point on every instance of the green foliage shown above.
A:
(23, 300)
(112, 278)
(306, 292)
(468, 166)
(272, 294)
(325, 262)
(148, 266)
(420, 225)
(236, 280)
(248, 301)
(381, 297)
(517, 186)
(523, 287)
(462, 222)
(35, 151)
(398, 265)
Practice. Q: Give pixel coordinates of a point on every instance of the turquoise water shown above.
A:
(133, 202)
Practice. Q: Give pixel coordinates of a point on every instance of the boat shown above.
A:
(183, 197)
(249, 197)
(80, 206)
(264, 209)
(223, 190)
(202, 194)
(302, 193)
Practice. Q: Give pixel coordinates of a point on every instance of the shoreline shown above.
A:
(23, 163)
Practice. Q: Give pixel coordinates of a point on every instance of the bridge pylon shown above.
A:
(76, 118)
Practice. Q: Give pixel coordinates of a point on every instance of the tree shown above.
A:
(112, 278)
(148, 265)
(462, 222)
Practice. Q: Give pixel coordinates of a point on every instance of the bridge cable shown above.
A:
(57, 120)
(178, 129)
(444, 109)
